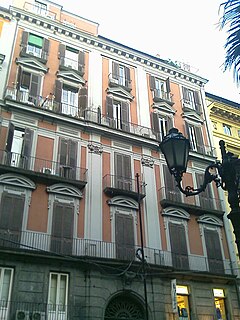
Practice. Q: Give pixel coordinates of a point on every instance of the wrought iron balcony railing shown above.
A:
(42, 166)
(36, 242)
(38, 310)
(115, 185)
(31, 50)
(117, 80)
(167, 195)
(67, 63)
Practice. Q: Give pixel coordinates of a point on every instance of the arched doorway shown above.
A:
(124, 307)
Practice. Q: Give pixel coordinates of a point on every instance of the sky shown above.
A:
(186, 31)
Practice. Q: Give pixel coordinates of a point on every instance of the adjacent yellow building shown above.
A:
(225, 119)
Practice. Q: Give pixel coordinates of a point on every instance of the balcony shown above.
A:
(114, 80)
(36, 242)
(202, 149)
(70, 64)
(39, 9)
(33, 51)
(197, 205)
(162, 96)
(37, 310)
(46, 171)
(114, 185)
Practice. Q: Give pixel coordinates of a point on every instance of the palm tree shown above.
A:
(231, 20)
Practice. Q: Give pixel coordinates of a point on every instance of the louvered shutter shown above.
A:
(205, 198)
(178, 246)
(172, 193)
(185, 94)
(72, 158)
(197, 101)
(109, 110)
(199, 138)
(81, 61)
(24, 41)
(34, 87)
(124, 236)
(169, 123)
(10, 137)
(61, 53)
(26, 149)
(62, 151)
(127, 76)
(168, 85)
(155, 125)
(214, 253)
(82, 99)
(152, 82)
(58, 95)
(125, 116)
(19, 78)
(5, 212)
(115, 70)
(46, 43)
(17, 212)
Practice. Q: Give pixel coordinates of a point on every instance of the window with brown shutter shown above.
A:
(117, 114)
(195, 137)
(191, 99)
(178, 246)
(214, 253)
(172, 193)
(62, 228)
(67, 154)
(205, 197)
(161, 124)
(123, 177)
(124, 237)
(121, 74)
(11, 216)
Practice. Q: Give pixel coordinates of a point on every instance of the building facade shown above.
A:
(81, 121)
(225, 120)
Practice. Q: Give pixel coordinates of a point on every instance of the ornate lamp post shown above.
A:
(225, 173)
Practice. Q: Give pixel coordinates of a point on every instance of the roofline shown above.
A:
(223, 100)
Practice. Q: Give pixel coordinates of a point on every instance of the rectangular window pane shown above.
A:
(53, 290)
(6, 285)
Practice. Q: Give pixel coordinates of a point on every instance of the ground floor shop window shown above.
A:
(182, 302)
(219, 299)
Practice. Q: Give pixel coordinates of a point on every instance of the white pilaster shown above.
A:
(95, 80)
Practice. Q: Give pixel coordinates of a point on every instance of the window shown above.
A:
(117, 113)
(6, 275)
(67, 157)
(58, 296)
(195, 136)
(71, 58)
(214, 252)
(227, 129)
(206, 200)
(70, 100)
(172, 193)
(34, 45)
(160, 89)
(238, 133)
(121, 74)
(18, 147)
(219, 300)
(40, 8)
(191, 99)
(28, 87)
(182, 302)
(161, 124)
(123, 175)
(124, 236)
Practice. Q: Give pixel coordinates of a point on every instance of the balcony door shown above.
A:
(123, 175)
(124, 236)
(172, 193)
(62, 228)
(214, 252)
(58, 296)
(67, 158)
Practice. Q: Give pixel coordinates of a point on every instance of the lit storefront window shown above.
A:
(183, 303)
(219, 299)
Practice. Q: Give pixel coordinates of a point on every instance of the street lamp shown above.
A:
(225, 173)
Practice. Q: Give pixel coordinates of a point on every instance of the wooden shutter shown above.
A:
(81, 61)
(205, 197)
(46, 44)
(214, 253)
(199, 139)
(115, 70)
(61, 53)
(26, 149)
(109, 110)
(197, 101)
(24, 41)
(72, 159)
(127, 76)
(169, 123)
(172, 193)
(25, 80)
(155, 124)
(185, 94)
(35, 86)
(10, 137)
(168, 85)
(123, 171)
(124, 236)
(125, 116)
(19, 77)
(152, 82)
(82, 99)
(178, 245)
(63, 150)
(58, 94)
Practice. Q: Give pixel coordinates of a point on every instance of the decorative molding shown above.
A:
(176, 213)
(123, 202)
(17, 181)
(163, 107)
(71, 76)
(32, 63)
(192, 116)
(95, 147)
(120, 92)
(147, 161)
(211, 220)
(65, 190)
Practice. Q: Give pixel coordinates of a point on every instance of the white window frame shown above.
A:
(69, 101)
(5, 304)
(193, 139)
(160, 88)
(117, 115)
(71, 59)
(122, 76)
(227, 129)
(54, 313)
(40, 8)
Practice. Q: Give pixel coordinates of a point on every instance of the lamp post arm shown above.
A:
(208, 178)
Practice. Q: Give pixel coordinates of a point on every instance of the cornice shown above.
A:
(231, 114)
(107, 45)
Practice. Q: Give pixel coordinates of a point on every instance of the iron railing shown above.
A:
(34, 51)
(42, 242)
(123, 183)
(175, 196)
(115, 79)
(71, 64)
(43, 166)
